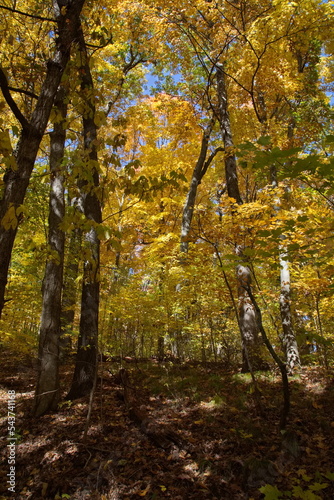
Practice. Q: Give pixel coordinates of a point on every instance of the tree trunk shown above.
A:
(161, 348)
(86, 361)
(251, 358)
(198, 173)
(16, 179)
(247, 314)
(70, 289)
(289, 340)
(47, 389)
(231, 174)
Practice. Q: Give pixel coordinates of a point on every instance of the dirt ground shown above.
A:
(205, 436)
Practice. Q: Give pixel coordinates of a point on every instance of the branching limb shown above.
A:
(10, 101)
(26, 14)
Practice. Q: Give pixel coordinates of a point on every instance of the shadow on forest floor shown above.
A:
(227, 448)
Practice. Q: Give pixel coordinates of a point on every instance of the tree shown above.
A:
(86, 361)
(17, 176)
(47, 389)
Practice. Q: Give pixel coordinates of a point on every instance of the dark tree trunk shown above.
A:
(16, 180)
(47, 389)
(70, 292)
(86, 361)
(225, 127)
(161, 348)
(200, 169)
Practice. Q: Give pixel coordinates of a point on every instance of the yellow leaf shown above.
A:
(144, 492)
(9, 221)
(44, 488)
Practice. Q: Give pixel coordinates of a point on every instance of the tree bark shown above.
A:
(200, 169)
(251, 358)
(280, 363)
(289, 339)
(16, 179)
(247, 320)
(86, 361)
(47, 389)
(231, 174)
(70, 292)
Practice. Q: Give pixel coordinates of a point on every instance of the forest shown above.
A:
(166, 249)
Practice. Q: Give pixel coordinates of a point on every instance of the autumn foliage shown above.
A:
(166, 188)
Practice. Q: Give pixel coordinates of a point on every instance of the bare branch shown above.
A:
(22, 91)
(33, 16)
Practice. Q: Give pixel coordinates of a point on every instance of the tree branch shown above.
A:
(209, 160)
(33, 16)
(22, 91)
(10, 101)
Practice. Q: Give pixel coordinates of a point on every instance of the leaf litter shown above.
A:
(194, 438)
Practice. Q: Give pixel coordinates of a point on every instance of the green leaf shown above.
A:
(319, 486)
(329, 475)
(249, 252)
(15, 130)
(271, 492)
(329, 139)
(264, 140)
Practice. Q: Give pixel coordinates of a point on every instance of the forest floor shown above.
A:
(205, 436)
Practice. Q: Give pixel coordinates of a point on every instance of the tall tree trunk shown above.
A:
(247, 314)
(200, 169)
(289, 339)
(247, 321)
(47, 389)
(16, 179)
(86, 361)
(231, 174)
(70, 291)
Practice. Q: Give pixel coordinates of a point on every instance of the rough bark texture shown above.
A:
(247, 315)
(16, 180)
(277, 359)
(86, 361)
(251, 358)
(47, 389)
(200, 169)
(70, 292)
(225, 127)
(289, 340)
